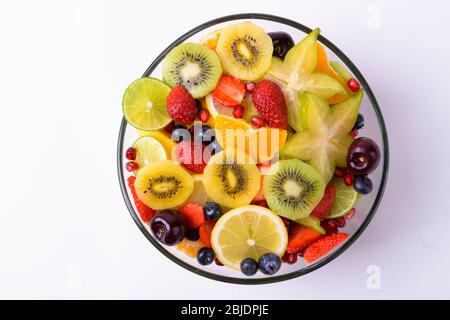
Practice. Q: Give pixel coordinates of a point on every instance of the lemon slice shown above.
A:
(148, 150)
(248, 232)
(344, 201)
(162, 137)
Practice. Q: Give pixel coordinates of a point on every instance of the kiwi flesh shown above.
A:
(163, 185)
(194, 67)
(229, 182)
(245, 50)
(293, 188)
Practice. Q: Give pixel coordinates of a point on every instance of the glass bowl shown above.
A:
(374, 128)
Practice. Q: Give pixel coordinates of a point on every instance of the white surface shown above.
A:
(64, 229)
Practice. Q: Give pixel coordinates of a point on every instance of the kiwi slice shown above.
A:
(230, 179)
(245, 51)
(163, 185)
(194, 67)
(293, 188)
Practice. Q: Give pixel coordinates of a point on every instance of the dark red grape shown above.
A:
(282, 42)
(363, 156)
(168, 227)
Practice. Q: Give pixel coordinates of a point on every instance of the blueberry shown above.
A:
(205, 256)
(214, 147)
(249, 266)
(192, 234)
(212, 210)
(203, 133)
(362, 184)
(269, 263)
(180, 133)
(359, 124)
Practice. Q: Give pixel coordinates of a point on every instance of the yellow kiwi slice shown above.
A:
(231, 178)
(245, 51)
(163, 185)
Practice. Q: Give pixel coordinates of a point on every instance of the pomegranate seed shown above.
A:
(170, 127)
(350, 214)
(238, 112)
(250, 86)
(132, 166)
(339, 172)
(131, 153)
(300, 254)
(330, 226)
(289, 258)
(353, 84)
(218, 262)
(353, 133)
(203, 115)
(348, 179)
(340, 222)
(258, 122)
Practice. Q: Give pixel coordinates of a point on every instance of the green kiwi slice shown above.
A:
(293, 188)
(194, 67)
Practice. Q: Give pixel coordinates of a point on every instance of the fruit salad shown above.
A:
(248, 153)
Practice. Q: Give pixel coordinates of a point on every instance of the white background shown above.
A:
(65, 231)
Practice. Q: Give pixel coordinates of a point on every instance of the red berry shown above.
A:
(353, 133)
(339, 172)
(325, 204)
(249, 86)
(203, 115)
(146, 213)
(205, 232)
(340, 222)
(258, 122)
(170, 127)
(191, 155)
(348, 179)
(350, 214)
(181, 106)
(300, 237)
(131, 153)
(268, 99)
(229, 91)
(132, 166)
(238, 112)
(193, 215)
(324, 245)
(289, 258)
(353, 85)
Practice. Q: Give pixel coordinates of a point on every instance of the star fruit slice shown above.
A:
(296, 74)
(325, 141)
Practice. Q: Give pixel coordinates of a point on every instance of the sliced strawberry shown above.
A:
(300, 237)
(324, 206)
(205, 232)
(193, 215)
(229, 91)
(146, 213)
(263, 168)
(324, 245)
(192, 155)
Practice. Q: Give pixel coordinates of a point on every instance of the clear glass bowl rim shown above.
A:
(307, 269)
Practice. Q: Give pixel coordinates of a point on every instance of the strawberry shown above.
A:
(323, 246)
(229, 91)
(324, 206)
(270, 103)
(205, 232)
(191, 155)
(193, 215)
(300, 237)
(181, 106)
(263, 168)
(146, 213)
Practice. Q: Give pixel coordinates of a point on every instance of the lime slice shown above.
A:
(344, 201)
(248, 232)
(144, 104)
(148, 150)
